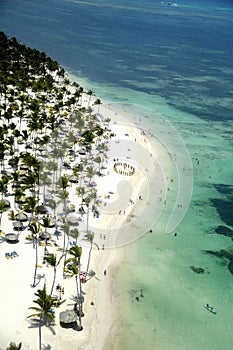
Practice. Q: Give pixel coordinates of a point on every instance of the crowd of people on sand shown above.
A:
(124, 169)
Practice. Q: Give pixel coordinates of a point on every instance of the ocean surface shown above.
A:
(173, 62)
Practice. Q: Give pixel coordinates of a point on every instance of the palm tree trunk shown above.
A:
(34, 281)
(88, 263)
(40, 332)
(65, 208)
(79, 304)
(54, 278)
(80, 289)
(88, 213)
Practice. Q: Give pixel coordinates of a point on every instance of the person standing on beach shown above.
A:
(105, 272)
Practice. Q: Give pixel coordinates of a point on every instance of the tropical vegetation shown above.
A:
(38, 104)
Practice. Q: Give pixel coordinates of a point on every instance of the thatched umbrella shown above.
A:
(70, 208)
(52, 223)
(48, 197)
(11, 238)
(21, 217)
(17, 225)
(72, 220)
(24, 167)
(41, 209)
(20, 200)
(68, 319)
(44, 235)
(7, 203)
(73, 179)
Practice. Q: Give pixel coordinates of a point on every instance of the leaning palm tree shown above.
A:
(73, 269)
(43, 310)
(34, 228)
(89, 237)
(52, 260)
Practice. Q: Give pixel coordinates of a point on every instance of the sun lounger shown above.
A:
(14, 254)
(29, 238)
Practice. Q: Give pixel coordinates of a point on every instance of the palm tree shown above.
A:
(65, 227)
(13, 346)
(98, 102)
(46, 222)
(52, 260)
(74, 234)
(74, 271)
(3, 186)
(90, 172)
(43, 310)
(90, 93)
(53, 205)
(91, 196)
(89, 237)
(30, 205)
(2, 209)
(34, 228)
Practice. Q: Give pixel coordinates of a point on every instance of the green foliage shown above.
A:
(13, 346)
(44, 303)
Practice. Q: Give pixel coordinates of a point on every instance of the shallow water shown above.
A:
(176, 61)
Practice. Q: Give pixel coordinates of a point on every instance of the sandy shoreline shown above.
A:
(100, 322)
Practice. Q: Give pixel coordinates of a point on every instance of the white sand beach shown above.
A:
(118, 214)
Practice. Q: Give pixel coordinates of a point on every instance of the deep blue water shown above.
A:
(183, 54)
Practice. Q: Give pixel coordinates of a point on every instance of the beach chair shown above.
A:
(14, 254)
(51, 311)
(7, 255)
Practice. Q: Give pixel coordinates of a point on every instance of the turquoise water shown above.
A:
(176, 61)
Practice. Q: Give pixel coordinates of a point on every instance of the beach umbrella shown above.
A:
(17, 225)
(21, 217)
(70, 208)
(7, 203)
(44, 154)
(20, 200)
(24, 167)
(73, 179)
(68, 318)
(44, 235)
(72, 220)
(52, 223)
(41, 209)
(48, 197)
(11, 238)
